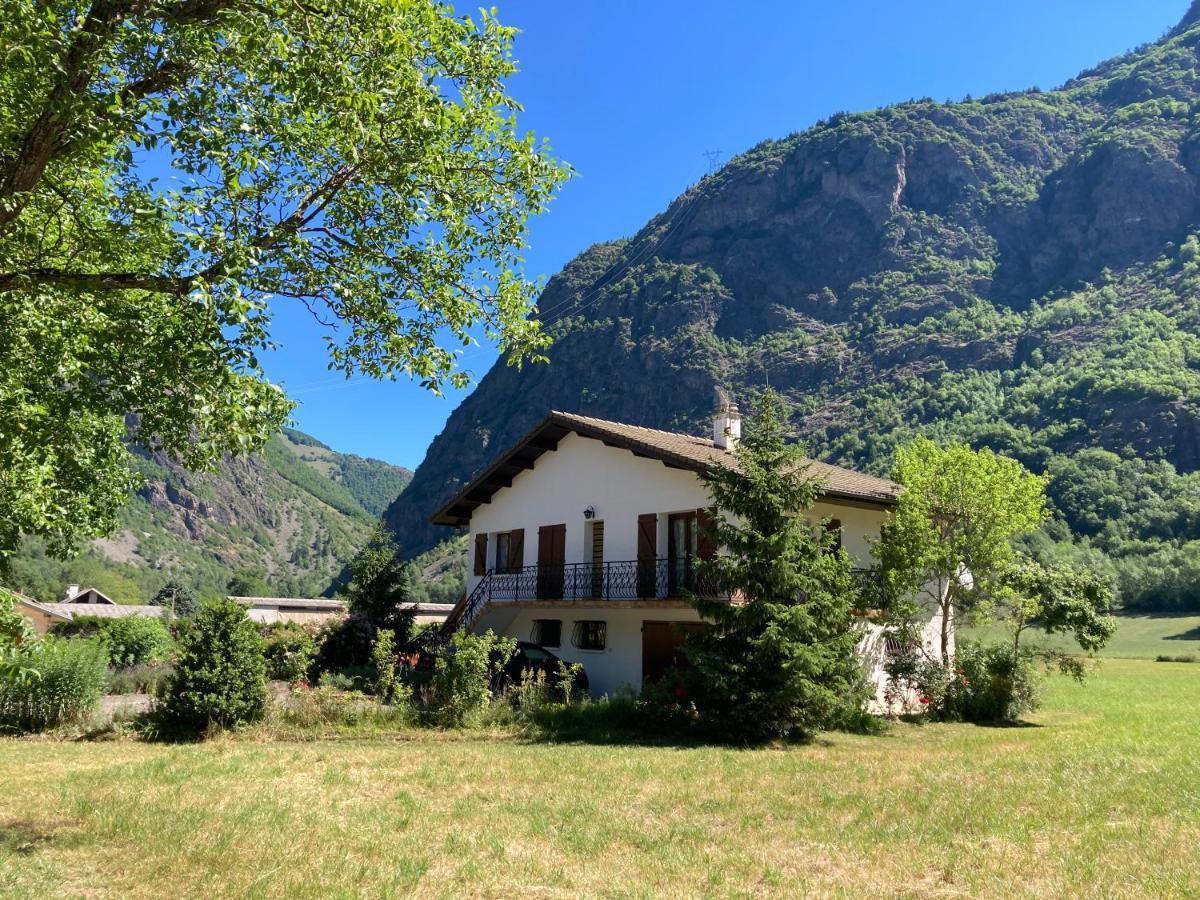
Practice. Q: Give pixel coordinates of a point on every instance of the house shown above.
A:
(301, 610)
(91, 595)
(584, 536)
(44, 616)
(319, 610)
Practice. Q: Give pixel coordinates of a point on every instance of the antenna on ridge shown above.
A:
(714, 160)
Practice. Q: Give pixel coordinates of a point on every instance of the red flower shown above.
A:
(680, 692)
(924, 700)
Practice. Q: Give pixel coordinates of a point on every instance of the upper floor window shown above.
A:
(503, 542)
(590, 634)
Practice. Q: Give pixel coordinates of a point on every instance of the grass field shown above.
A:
(1137, 637)
(1099, 796)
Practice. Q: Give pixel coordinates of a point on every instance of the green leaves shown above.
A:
(168, 171)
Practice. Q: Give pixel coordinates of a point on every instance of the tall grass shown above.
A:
(62, 684)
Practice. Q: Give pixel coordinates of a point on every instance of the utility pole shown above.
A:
(714, 160)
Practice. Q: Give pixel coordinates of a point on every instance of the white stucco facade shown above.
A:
(585, 481)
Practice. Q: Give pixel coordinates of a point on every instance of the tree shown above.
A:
(176, 597)
(220, 674)
(781, 658)
(1060, 600)
(949, 541)
(379, 585)
(167, 167)
(248, 582)
(18, 640)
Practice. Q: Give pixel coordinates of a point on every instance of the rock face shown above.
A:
(1015, 271)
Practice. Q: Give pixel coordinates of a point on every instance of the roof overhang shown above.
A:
(545, 437)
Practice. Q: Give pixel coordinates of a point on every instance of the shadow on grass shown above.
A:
(626, 723)
(1192, 634)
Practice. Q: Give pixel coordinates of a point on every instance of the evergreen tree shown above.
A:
(177, 597)
(380, 584)
(780, 657)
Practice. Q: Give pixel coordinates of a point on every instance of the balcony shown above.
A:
(628, 580)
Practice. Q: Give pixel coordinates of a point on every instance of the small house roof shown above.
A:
(321, 603)
(680, 451)
(103, 610)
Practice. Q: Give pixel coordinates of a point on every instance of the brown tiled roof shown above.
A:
(682, 451)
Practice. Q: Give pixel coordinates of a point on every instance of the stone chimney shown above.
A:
(727, 426)
(72, 590)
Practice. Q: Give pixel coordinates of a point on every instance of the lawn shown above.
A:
(1101, 795)
(1137, 637)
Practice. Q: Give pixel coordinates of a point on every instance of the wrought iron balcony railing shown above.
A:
(626, 580)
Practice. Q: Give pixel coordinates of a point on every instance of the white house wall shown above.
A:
(618, 665)
(584, 473)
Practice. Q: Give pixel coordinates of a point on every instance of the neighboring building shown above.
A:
(45, 616)
(302, 610)
(76, 594)
(319, 610)
(583, 538)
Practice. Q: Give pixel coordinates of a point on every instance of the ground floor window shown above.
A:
(547, 632)
(590, 635)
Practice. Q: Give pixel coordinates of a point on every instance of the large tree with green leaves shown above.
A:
(948, 545)
(779, 657)
(171, 168)
(379, 585)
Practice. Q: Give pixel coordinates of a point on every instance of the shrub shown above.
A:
(1181, 658)
(463, 676)
(61, 685)
(383, 660)
(345, 643)
(220, 675)
(139, 679)
(290, 650)
(136, 641)
(989, 684)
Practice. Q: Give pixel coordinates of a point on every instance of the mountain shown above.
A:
(284, 521)
(1019, 271)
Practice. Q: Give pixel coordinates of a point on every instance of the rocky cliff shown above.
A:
(1019, 270)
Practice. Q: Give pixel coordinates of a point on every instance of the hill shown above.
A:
(284, 521)
(1019, 271)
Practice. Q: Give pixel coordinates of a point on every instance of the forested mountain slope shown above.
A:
(1020, 271)
(285, 521)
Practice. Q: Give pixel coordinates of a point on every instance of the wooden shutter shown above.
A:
(706, 546)
(835, 529)
(516, 550)
(481, 554)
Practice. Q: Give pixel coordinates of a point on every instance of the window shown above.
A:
(547, 632)
(503, 540)
(590, 635)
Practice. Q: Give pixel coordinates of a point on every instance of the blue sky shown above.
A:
(633, 94)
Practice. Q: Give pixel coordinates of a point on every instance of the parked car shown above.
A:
(535, 658)
(419, 659)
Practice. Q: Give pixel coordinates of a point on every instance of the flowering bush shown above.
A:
(982, 683)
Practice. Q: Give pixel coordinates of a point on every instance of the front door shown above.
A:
(662, 648)
(552, 550)
(682, 537)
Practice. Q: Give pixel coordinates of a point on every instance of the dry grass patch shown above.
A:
(1102, 796)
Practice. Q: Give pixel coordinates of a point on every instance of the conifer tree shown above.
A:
(779, 658)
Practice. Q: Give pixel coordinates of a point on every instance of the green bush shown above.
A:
(61, 685)
(463, 676)
(290, 650)
(986, 684)
(136, 641)
(220, 675)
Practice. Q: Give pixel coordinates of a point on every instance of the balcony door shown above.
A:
(683, 537)
(552, 549)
